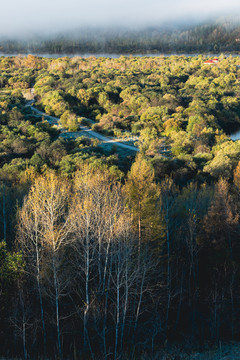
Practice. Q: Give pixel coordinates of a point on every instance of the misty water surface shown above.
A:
(113, 56)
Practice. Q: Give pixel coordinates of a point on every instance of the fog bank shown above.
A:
(27, 18)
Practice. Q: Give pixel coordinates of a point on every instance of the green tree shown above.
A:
(142, 193)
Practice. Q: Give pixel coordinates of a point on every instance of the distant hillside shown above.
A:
(215, 37)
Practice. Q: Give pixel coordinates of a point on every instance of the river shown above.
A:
(104, 55)
(112, 55)
(235, 136)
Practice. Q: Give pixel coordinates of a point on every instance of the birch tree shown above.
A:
(96, 208)
(44, 232)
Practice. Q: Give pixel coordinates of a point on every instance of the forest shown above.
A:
(216, 36)
(113, 254)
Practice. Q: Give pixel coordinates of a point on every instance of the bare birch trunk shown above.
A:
(57, 308)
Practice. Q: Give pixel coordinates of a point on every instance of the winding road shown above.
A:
(67, 134)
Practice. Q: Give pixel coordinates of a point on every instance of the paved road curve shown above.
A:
(67, 134)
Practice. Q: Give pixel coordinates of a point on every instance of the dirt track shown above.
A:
(68, 134)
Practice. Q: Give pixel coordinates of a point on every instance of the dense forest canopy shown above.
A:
(106, 252)
(177, 103)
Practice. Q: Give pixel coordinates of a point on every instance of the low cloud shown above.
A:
(27, 17)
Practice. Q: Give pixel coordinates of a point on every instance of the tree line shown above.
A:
(212, 37)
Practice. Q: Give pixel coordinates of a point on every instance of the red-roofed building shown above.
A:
(210, 62)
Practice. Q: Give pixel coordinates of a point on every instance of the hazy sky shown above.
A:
(27, 16)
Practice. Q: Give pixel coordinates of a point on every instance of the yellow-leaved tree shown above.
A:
(44, 229)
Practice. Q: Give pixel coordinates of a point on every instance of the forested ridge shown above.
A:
(105, 253)
(214, 37)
